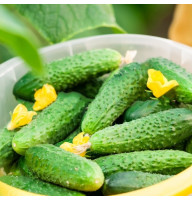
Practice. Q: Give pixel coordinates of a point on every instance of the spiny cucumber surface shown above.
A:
(168, 162)
(68, 72)
(156, 131)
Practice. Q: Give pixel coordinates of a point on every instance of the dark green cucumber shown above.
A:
(37, 186)
(69, 72)
(14, 170)
(122, 182)
(116, 94)
(156, 131)
(7, 154)
(173, 71)
(90, 89)
(22, 166)
(144, 108)
(160, 161)
(53, 124)
(55, 165)
(70, 137)
(189, 146)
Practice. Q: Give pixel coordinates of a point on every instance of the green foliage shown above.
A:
(62, 22)
(19, 39)
(49, 24)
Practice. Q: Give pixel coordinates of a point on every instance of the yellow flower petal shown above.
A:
(80, 144)
(80, 139)
(68, 147)
(158, 84)
(20, 117)
(44, 97)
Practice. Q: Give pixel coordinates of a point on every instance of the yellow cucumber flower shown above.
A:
(79, 146)
(20, 117)
(158, 84)
(44, 97)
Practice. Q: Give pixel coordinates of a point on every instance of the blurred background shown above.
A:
(148, 19)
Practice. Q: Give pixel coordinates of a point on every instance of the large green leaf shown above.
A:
(14, 34)
(62, 22)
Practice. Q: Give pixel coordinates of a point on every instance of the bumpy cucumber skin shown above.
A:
(189, 146)
(173, 71)
(53, 164)
(156, 131)
(38, 186)
(70, 137)
(69, 72)
(116, 94)
(168, 162)
(122, 182)
(53, 124)
(7, 154)
(144, 108)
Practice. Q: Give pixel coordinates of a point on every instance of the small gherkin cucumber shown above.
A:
(173, 71)
(189, 146)
(38, 186)
(122, 182)
(144, 108)
(55, 165)
(116, 94)
(168, 162)
(156, 131)
(69, 72)
(70, 137)
(7, 154)
(52, 124)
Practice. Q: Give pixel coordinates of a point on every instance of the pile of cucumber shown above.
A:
(136, 140)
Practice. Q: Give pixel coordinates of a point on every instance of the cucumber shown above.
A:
(168, 162)
(69, 72)
(70, 137)
(156, 131)
(52, 124)
(144, 108)
(22, 166)
(173, 71)
(38, 186)
(7, 154)
(116, 94)
(55, 165)
(122, 182)
(189, 146)
(91, 88)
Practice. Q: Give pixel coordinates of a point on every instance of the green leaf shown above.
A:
(14, 35)
(5, 54)
(62, 22)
